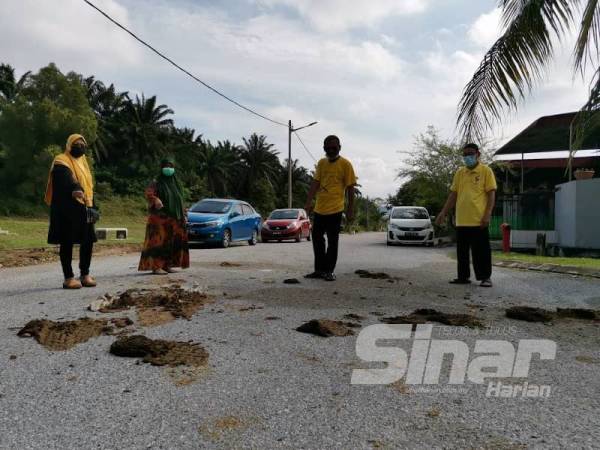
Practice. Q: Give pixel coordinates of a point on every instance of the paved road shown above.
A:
(269, 386)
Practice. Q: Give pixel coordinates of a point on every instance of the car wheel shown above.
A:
(254, 239)
(226, 239)
(299, 237)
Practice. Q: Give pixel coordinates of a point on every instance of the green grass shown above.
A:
(33, 233)
(590, 263)
(27, 232)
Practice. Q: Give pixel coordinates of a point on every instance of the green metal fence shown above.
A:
(528, 211)
(520, 223)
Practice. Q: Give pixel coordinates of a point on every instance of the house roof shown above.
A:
(548, 134)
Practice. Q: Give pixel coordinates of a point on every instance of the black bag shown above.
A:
(93, 215)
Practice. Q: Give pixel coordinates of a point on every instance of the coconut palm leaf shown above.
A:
(587, 47)
(587, 119)
(513, 65)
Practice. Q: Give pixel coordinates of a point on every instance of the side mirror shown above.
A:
(234, 214)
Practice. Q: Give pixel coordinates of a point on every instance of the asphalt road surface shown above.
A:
(270, 386)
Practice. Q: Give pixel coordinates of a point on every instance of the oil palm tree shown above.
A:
(259, 161)
(301, 180)
(106, 103)
(518, 60)
(217, 166)
(9, 85)
(145, 124)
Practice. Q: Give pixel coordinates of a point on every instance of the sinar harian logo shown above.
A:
(489, 359)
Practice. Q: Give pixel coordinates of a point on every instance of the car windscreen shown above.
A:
(211, 206)
(410, 213)
(284, 214)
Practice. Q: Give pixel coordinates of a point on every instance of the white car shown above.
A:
(410, 225)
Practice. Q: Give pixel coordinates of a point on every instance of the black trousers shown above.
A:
(326, 256)
(474, 240)
(85, 258)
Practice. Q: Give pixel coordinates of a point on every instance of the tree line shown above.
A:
(129, 136)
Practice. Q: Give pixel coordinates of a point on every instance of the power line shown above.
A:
(166, 58)
(305, 147)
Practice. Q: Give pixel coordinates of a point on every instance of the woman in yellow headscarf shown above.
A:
(70, 195)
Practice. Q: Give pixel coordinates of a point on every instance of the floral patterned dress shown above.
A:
(166, 243)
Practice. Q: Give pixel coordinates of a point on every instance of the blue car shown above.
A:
(223, 221)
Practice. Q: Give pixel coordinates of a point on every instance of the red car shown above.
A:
(286, 224)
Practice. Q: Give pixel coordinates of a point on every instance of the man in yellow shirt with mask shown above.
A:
(473, 192)
(333, 182)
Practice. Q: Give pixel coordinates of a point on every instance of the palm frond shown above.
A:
(559, 14)
(587, 119)
(587, 47)
(513, 65)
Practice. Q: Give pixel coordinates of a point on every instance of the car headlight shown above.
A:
(265, 225)
(394, 226)
(292, 225)
(213, 224)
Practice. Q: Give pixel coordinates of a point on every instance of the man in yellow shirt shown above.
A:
(334, 180)
(473, 192)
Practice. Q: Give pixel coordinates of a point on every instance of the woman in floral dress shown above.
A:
(166, 243)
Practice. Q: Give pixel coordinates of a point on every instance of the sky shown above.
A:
(374, 72)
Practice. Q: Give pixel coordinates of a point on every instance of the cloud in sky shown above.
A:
(487, 28)
(331, 16)
(34, 33)
(376, 73)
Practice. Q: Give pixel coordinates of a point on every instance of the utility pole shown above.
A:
(291, 130)
(290, 164)
(367, 211)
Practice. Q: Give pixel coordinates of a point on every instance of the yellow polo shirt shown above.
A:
(334, 178)
(472, 187)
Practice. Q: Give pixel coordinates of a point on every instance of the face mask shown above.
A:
(168, 171)
(332, 155)
(470, 160)
(77, 151)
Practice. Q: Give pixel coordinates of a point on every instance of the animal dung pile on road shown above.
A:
(121, 322)
(353, 316)
(578, 313)
(157, 306)
(373, 275)
(327, 328)
(529, 314)
(291, 281)
(421, 316)
(229, 264)
(160, 352)
(66, 335)
(532, 314)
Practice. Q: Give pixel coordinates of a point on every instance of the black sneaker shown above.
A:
(330, 276)
(459, 281)
(315, 275)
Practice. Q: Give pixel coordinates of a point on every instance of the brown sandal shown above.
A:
(71, 283)
(88, 281)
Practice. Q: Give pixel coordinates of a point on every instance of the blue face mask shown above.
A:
(470, 160)
(168, 171)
